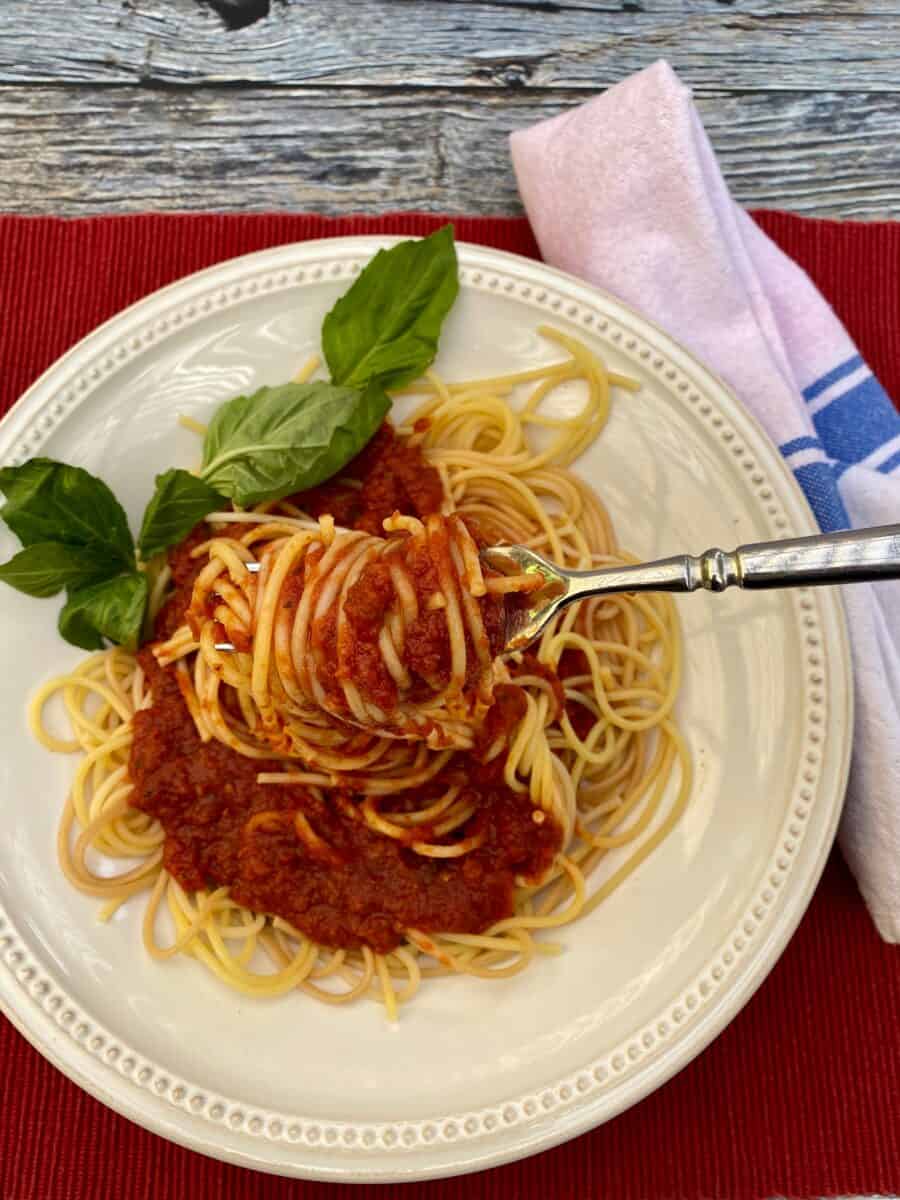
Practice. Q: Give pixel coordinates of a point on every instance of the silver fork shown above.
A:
(857, 556)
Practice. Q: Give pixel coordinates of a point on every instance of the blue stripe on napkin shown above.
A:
(838, 372)
(818, 479)
(890, 464)
(819, 484)
(853, 423)
(801, 443)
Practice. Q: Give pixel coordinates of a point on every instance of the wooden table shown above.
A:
(371, 105)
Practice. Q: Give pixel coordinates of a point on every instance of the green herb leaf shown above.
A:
(45, 568)
(112, 609)
(286, 439)
(179, 502)
(49, 501)
(76, 536)
(386, 327)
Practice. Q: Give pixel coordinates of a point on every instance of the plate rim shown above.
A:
(181, 1125)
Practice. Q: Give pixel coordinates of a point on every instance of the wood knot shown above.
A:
(238, 14)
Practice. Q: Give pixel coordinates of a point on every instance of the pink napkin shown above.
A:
(625, 192)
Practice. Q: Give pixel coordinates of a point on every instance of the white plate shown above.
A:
(475, 1073)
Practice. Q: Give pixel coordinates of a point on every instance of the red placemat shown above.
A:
(798, 1097)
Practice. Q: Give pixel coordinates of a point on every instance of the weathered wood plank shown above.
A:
(571, 44)
(124, 149)
(377, 104)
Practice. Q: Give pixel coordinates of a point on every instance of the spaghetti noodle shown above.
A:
(394, 634)
(361, 794)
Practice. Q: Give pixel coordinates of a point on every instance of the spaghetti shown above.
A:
(394, 634)
(361, 794)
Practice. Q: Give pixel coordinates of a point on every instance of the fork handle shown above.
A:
(854, 556)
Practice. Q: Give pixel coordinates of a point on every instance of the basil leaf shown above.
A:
(49, 501)
(45, 568)
(386, 327)
(179, 502)
(112, 609)
(286, 439)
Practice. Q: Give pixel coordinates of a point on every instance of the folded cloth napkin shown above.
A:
(625, 191)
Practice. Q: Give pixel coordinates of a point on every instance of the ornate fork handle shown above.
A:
(851, 557)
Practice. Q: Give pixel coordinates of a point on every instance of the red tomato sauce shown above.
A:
(350, 886)
(184, 571)
(575, 662)
(387, 476)
(364, 608)
(531, 665)
(426, 649)
(364, 888)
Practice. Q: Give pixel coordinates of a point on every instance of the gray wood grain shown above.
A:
(370, 150)
(768, 45)
(370, 105)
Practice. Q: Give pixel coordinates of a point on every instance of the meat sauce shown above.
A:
(184, 571)
(426, 648)
(354, 887)
(575, 662)
(387, 476)
(390, 476)
(364, 889)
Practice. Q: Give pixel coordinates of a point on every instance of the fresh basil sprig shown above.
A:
(45, 568)
(179, 502)
(262, 447)
(286, 439)
(75, 536)
(386, 327)
(111, 609)
(49, 501)
(381, 334)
